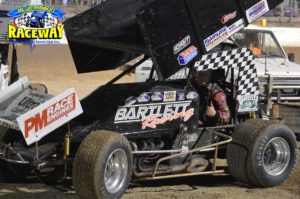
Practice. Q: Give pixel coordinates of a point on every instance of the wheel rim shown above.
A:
(116, 169)
(277, 156)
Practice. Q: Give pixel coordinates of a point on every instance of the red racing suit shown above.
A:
(218, 99)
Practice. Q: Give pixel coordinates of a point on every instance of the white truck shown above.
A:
(279, 76)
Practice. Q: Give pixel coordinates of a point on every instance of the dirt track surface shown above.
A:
(208, 187)
(53, 66)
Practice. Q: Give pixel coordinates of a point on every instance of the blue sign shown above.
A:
(186, 56)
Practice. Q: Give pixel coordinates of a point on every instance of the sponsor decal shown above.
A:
(248, 103)
(223, 98)
(26, 101)
(257, 10)
(143, 98)
(169, 96)
(36, 24)
(153, 120)
(192, 95)
(182, 44)
(180, 95)
(186, 56)
(236, 27)
(216, 38)
(228, 17)
(130, 101)
(157, 96)
(45, 118)
(141, 112)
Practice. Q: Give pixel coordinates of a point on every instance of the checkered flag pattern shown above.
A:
(240, 58)
(49, 21)
(23, 20)
(247, 80)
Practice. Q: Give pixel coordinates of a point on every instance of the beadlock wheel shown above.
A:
(277, 154)
(116, 171)
(103, 166)
(262, 153)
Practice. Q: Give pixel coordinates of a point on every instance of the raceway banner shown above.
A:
(45, 118)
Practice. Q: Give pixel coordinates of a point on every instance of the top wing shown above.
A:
(174, 33)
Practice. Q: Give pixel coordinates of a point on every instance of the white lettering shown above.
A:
(138, 113)
(121, 114)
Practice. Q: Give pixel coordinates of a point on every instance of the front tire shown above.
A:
(102, 166)
(262, 153)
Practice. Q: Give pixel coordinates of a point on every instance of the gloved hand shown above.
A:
(211, 111)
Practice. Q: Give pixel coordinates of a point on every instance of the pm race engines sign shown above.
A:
(47, 117)
(36, 24)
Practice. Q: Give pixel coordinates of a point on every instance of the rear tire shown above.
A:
(102, 166)
(262, 153)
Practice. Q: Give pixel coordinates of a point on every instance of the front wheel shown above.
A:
(102, 166)
(262, 153)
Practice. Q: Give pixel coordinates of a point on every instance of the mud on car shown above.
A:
(149, 130)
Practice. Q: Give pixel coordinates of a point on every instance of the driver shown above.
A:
(252, 42)
(255, 49)
(217, 111)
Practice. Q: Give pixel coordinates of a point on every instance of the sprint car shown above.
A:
(36, 20)
(148, 130)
